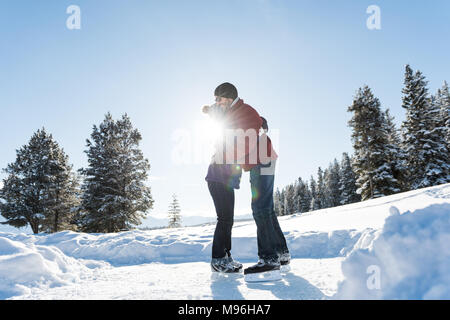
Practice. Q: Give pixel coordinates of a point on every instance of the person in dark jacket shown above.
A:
(222, 179)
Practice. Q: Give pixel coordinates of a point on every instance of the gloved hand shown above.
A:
(205, 109)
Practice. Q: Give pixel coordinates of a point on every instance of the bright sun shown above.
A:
(210, 130)
(207, 133)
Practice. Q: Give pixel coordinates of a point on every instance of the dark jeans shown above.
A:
(271, 241)
(223, 197)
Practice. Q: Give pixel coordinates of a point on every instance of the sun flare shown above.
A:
(210, 130)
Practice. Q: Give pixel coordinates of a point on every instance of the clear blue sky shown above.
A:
(299, 63)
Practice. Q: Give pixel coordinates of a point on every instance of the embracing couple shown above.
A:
(243, 148)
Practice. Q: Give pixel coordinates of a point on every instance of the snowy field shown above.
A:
(387, 248)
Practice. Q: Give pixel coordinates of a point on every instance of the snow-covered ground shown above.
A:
(391, 247)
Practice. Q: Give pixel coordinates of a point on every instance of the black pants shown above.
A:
(223, 197)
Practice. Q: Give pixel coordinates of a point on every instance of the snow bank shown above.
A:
(25, 265)
(184, 245)
(409, 260)
(388, 255)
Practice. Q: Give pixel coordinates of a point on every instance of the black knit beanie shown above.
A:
(226, 90)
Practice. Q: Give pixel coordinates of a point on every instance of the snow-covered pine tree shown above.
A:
(423, 136)
(64, 194)
(347, 182)
(114, 196)
(281, 211)
(394, 153)
(326, 201)
(332, 178)
(392, 131)
(438, 169)
(289, 199)
(296, 196)
(174, 213)
(307, 197)
(321, 199)
(315, 204)
(295, 207)
(303, 196)
(276, 201)
(40, 190)
(443, 101)
(374, 175)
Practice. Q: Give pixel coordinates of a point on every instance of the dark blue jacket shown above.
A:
(228, 174)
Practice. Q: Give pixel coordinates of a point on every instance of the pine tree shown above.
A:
(295, 198)
(315, 204)
(321, 200)
(41, 190)
(423, 134)
(64, 194)
(114, 195)
(394, 153)
(332, 178)
(289, 200)
(276, 202)
(347, 182)
(370, 139)
(303, 196)
(281, 209)
(307, 197)
(443, 102)
(174, 213)
(393, 134)
(438, 168)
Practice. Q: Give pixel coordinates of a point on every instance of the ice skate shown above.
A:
(236, 264)
(224, 265)
(263, 271)
(285, 260)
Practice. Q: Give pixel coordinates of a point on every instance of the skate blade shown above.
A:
(286, 268)
(216, 275)
(273, 275)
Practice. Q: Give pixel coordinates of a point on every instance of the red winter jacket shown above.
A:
(242, 116)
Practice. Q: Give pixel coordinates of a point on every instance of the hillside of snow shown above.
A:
(386, 248)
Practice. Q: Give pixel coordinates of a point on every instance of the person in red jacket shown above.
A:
(254, 153)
